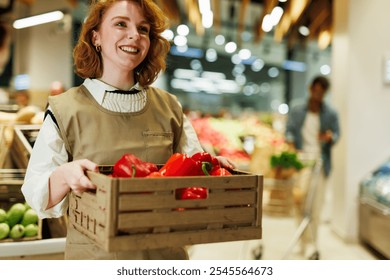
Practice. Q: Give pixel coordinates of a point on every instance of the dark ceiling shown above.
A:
(242, 15)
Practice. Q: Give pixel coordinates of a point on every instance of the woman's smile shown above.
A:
(129, 49)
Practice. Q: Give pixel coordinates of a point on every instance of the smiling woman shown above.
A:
(120, 49)
(85, 51)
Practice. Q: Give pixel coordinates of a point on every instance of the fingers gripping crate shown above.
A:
(143, 213)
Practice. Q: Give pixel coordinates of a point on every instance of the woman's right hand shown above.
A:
(70, 177)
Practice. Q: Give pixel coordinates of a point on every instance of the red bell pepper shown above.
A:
(220, 172)
(181, 165)
(207, 161)
(191, 193)
(155, 174)
(131, 166)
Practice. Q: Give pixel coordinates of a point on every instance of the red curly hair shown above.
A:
(88, 62)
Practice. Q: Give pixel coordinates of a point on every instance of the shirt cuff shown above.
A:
(39, 194)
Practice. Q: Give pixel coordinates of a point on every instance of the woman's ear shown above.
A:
(95, 38)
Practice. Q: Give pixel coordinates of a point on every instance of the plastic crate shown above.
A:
(143, 213)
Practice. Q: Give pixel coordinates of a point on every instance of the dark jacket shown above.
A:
(328, 121)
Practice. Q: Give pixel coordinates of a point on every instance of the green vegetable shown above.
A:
(286, 160)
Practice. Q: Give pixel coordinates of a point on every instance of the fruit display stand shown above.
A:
(33, 247)
(44, 249)
(22, 144)
(143, 213)
(222, 137)
(20, 151)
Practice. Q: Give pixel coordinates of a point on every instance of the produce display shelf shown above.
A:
(23, 143)
(32, 248)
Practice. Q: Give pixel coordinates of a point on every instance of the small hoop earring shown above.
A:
(98, 48)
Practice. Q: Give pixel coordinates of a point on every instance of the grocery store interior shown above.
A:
(236, 66)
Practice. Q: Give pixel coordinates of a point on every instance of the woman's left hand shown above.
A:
(226, 163)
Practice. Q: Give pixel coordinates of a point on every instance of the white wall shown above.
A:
(361, 38)
(44, 52)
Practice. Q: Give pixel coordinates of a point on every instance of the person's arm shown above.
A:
(49, 176)
(332, 135)
(48, 153)
(67, 177)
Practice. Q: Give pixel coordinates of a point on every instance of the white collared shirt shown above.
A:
(49, 149)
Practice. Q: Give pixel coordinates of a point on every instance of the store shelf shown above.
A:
(32, 249)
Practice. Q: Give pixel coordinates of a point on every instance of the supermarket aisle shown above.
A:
(278, 231)
(277, 234)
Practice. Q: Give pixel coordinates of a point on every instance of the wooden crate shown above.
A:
(143, 213)
(11, 181)
(22, 144)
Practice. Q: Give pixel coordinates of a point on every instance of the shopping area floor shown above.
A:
(277, 235)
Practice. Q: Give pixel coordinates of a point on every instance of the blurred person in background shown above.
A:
(312, 129)
(22, 98)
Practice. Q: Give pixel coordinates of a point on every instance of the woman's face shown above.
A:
(123, 37)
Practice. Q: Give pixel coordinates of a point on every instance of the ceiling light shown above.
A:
(183, 30)
(220, 40)
(168, 34)
(211, 55)
(230, 47)
(38, 19)
(276, 15)
(207, 19)
(244, 54)
(304, 31)
(204, 6)
(325, 69)
(257, 65)
(267, 23)
(180, 40)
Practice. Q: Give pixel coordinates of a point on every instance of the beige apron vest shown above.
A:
(92, 132)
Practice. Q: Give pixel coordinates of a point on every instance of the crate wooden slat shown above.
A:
(132, 202)
(143, 213)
